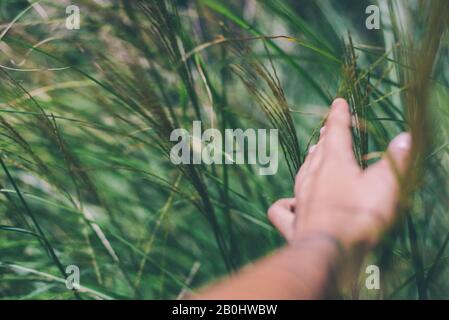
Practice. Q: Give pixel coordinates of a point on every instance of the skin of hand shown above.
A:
(334, 199)
(334, 196)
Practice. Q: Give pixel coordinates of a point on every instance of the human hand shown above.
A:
(334, 197)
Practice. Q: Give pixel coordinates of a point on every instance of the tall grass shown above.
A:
(86, 117)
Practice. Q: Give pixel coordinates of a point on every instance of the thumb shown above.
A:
(399, 152)
(395, 161)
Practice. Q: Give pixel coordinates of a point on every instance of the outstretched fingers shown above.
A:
(386, 174)
(394, 163)
(282, 216)
(335, 142)
(338, 138)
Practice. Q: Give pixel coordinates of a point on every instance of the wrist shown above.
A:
(354, 231)
(340, 260)
(314, 260)
(324, 244)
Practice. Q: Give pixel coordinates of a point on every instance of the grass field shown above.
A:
(86, 115)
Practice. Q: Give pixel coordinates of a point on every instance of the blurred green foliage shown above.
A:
(86, 115)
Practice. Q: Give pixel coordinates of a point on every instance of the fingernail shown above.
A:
(312, 148)
(338, 102)
(402, 141)
(322, 130)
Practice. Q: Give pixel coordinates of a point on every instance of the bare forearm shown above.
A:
(300, 271)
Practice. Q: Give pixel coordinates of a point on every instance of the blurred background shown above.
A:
(86, 115)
